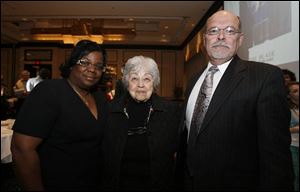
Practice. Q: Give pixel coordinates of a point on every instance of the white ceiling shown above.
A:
(151, 22)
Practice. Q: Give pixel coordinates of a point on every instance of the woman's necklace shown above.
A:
(81, 97)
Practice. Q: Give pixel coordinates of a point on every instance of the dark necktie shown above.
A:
(201, 107)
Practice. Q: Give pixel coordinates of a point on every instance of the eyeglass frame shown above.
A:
(100, 67)
(218, 31)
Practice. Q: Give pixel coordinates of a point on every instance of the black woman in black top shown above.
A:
(57, 140)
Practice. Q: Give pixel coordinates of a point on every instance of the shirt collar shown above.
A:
(222, 68)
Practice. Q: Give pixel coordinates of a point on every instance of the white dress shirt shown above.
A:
(32, 82)
(194, 93)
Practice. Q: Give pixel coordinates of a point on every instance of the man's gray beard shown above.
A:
(220, 56)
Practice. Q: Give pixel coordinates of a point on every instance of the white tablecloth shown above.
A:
(6, 135)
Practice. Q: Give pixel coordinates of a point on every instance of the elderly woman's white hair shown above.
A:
(137, 63)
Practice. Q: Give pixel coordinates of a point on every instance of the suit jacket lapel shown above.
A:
(231, 78)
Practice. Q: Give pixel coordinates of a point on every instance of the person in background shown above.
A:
(110, 92)
(20, 86)
(142, 132)
(293, 96)
(41, 75)
(4, 100)
(19, 89)
(288, 76)
(3, 86)
(56, 144)
(242, 141)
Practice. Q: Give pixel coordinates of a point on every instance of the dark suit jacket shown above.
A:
(244, 141)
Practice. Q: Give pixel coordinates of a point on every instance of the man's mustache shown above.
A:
(220, 43)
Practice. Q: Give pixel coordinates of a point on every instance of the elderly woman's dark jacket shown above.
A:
(162, 140)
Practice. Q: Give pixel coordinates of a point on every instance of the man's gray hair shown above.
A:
(135, 64)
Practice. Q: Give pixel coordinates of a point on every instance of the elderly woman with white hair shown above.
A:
(142, 132)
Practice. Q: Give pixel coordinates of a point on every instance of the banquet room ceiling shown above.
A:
(116, 22)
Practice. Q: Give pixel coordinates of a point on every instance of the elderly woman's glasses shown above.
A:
(227, 31)
(86, 64)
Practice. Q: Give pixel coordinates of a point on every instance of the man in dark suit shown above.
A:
(243, 141)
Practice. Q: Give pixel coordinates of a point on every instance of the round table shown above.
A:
(6, 135)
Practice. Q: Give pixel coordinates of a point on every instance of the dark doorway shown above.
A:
(34, 68)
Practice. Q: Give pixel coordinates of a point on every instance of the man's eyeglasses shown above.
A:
(86, 64)
(227, 31)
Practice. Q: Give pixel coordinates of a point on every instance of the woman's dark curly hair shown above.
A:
(82, 48)
(289, 73)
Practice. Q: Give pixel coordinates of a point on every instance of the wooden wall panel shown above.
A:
(168, 73)
(6, 68)
(129, 54)
(112, 56)
(170, 64)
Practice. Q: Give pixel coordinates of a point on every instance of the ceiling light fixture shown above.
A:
(82, 29)
(68, 39)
